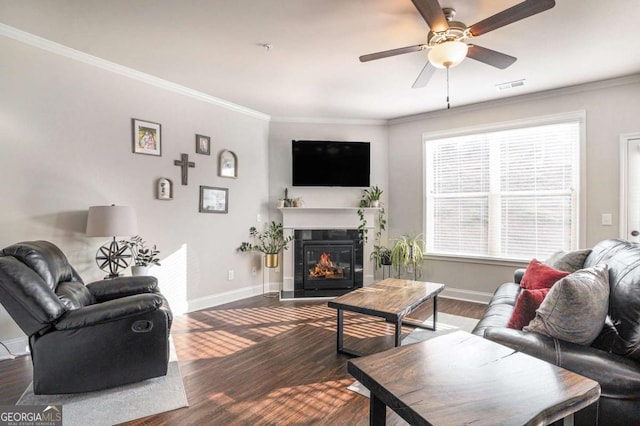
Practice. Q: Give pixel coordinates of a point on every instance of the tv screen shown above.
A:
(327, 163)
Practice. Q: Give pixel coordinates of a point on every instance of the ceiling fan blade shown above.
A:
(490, 57)
(508, 16)
(392, 52)
(424, 76)
(432, 14)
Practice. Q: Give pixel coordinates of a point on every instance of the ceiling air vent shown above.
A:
(510, 84)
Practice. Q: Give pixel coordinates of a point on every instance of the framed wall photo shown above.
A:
(228, 164)
(146, 137)
(214, 200)
(203, 145)
(164, 189)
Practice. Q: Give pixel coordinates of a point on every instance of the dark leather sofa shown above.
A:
(83, 338)
(613, 360)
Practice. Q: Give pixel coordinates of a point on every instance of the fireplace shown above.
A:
(332, 225)
(327, 262)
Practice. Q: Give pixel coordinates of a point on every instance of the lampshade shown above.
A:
(112, 221)
(448, 54)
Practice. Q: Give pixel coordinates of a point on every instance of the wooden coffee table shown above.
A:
(391, 299)
(461, 378)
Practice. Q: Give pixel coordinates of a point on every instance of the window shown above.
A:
(508, 193)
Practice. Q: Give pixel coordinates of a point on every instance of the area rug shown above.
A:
(120, 404)
(446, 324)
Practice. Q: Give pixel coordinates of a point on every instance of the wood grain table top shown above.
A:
(461, 378)
(390, 298)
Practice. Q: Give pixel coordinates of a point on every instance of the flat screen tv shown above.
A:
(328, 163)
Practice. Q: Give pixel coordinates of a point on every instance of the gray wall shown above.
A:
(612, 108)
(65, 145)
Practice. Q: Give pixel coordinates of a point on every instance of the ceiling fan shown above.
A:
(447, 40)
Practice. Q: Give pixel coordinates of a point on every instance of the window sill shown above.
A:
(514, 263)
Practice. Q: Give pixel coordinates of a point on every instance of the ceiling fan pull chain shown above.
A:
(448, 104)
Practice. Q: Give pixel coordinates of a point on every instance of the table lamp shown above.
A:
(112, 221)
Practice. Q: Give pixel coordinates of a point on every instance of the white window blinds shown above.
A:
(503, 194)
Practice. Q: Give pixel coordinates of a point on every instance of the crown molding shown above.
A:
(68, 52)
(330, 120)
(578, 88)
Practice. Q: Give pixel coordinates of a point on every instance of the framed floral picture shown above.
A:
(203, 145)
(146, 137)
(228, 164)
(214, 200)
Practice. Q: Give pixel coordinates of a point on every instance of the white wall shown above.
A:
(65, 145)
(612, 108)
(282, 133)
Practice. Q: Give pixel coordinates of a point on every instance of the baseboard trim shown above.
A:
(466, 295)
(245, 292)
(18, 346)
(226, 297)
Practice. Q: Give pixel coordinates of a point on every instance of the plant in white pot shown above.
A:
(371, 198)
(270, 242)
(143, 256)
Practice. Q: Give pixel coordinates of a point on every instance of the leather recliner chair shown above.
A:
(83, 338)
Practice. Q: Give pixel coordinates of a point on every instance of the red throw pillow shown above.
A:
(539, 275)
(526, 305)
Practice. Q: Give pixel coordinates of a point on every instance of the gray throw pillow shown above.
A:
(569, 261)
(575, 308)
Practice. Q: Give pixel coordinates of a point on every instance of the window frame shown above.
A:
(580, 191)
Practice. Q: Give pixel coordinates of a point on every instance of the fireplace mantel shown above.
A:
(325, 218)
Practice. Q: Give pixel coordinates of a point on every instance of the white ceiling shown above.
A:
(312, 71)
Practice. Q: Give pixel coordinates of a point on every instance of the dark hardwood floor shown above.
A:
(260, 361)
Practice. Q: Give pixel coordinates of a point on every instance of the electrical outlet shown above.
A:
(259, 218)
(606, 219)
(254, 272)
(230, 274)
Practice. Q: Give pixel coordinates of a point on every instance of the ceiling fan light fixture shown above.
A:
(448, 54)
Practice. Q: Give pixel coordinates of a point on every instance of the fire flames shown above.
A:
(326, 269)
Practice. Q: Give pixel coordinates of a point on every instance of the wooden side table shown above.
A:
(461, 378)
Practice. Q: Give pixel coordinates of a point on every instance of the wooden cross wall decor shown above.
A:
(184, 163)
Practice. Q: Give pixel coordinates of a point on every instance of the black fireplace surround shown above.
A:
(327, 262)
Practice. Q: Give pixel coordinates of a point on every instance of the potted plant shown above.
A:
(408, 251)
(143, 256)
(270, 242)
(380, 256)
(371, 198)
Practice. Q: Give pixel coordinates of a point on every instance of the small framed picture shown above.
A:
(214, 200)
(203, 145)
(146, 137)
(164, 189)
(228, 164)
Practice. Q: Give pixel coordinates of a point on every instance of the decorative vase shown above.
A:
(139, 271)
(271, 260)
(280, 203)
(374, 203)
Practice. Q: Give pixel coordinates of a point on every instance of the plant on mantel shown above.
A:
(371, 198)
